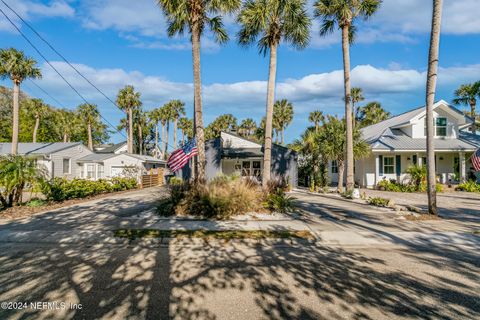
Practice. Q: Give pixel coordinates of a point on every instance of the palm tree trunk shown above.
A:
(341, 170)
(90, 140)
(175, 124)
(163, 141)
(156, 135)
(130, 131)
(283, 136)
(473, 105)
(16, 94)
(198, 117)
(35, 129)
(183, 136)
(65, 137)
(354, 115)
(348, 108)
(166, 137)
(140, 139)
(431, 86)
(267, 156)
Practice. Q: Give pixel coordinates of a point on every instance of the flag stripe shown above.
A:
(179, 158)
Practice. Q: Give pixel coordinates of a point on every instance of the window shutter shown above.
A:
(414, 159)
(380, 158)
(398, 163)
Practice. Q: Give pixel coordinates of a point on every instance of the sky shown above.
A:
(119, 42)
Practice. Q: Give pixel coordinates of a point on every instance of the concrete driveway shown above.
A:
(405, 275)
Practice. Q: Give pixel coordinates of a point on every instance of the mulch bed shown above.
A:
(25, 211)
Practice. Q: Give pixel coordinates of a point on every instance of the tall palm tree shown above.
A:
(67, 123)
(283, 112)
(18, 67)
(273, 21)
(195, 16)
(155, 118)
(38, 109)
(177, 108)
(467, 94)
(430, 100)
(224, 122)
(89, 113)
(344, 13)
(356, 94)
(316, 117)
(141, 123)
(129, 100)
(186, 126)
(247, 127)
(165, 121)
(372, 113)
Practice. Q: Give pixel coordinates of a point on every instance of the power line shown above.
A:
(47, 94)
(60, 55)
(55, 69)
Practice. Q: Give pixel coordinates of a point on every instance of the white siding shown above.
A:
(73, 153)
(122, 160)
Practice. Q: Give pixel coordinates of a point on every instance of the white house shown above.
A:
(400, 142)
(58, 158)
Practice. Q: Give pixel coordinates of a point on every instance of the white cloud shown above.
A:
(34, 9)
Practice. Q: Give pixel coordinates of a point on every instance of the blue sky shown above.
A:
(119, 42)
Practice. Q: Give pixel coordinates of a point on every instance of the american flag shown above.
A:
(179, 158)
(476, 160)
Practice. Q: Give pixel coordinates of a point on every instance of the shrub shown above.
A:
(278, 201)
(394, 186)
(378, 201)
(59, 189)
(469, 186)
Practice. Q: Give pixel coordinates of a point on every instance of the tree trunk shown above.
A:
(175, 128)
(166, 137)
(283, 136)
(130, 131)
(16, 94)
(156, 136)
(199, 134)
(267, 156)
(35, 129)
(348, 107)
(163, 141)
(354, 115)
(431, 87)
(341, 170)
(140, 139)
(473, 105)
(90, 140)
(65, 137)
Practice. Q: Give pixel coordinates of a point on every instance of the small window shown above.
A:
(90, 171)
(257, 172)
(388, 165)
(246, 169)
(334, 166)
(100, 171)
(66, 166)
(441, 127)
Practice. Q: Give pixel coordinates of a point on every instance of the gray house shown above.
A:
(232, 154)
(58, 158)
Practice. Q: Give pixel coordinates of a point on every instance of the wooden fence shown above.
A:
(153, 178)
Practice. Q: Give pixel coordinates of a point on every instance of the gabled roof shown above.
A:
(100, 157)
(385, 135)
(112, 149)
(46, 148)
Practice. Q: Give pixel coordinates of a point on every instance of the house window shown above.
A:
(90, 171)
(441, 127)
(100, 171)
(257, 171)
(388, 165)
(246, 169)
(66, 166)
(334, 166)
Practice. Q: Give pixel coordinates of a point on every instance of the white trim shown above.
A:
(422, 150)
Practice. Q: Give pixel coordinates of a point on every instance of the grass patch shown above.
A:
(379, 202)
(421, 217)
(133, 234)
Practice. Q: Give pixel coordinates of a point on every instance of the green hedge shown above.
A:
(59, 189)
(469, 186)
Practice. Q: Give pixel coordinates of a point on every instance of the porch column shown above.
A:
(377, 169)
(463, 166)
(419, 160)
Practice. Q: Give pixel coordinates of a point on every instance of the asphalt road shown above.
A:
(404, 279)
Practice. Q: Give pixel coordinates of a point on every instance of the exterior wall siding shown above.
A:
(73, 153)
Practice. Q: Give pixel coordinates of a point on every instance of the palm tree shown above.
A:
(316, 117)
(282, 116)
(165, 121)
(141, 123)
(67, 123)
(89, 113)
(247, 127)
(273, 21)
(467, 94)
(38, 109)
(177, 108)
(155, 118)
(224, 122)
(372, 113)
(195, 16)
(186, 126)
(356, 94)
(344, 13)
(18, 67)
(430, 100)
(128, 100)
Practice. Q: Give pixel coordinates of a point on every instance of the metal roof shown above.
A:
(100, 157)
(112, 148)
(38, 148)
